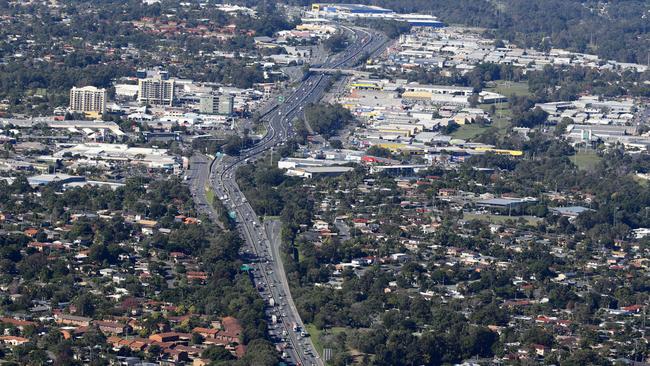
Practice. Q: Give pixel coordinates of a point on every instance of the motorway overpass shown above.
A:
(331, 71)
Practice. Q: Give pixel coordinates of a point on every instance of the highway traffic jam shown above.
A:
(286, 328)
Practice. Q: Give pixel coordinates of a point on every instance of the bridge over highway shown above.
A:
(329, 71)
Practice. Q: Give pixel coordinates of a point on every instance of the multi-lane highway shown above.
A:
(285, 326)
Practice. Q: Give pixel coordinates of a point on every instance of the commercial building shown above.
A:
(88, 99)
(592, 110)
(507, 204)
(586, 133)
(420, 20)
(369, 11)
(212, 104)
(319, 171)
(292, 163)
(570, 211)
(151, 157)
(436, 46)
(157, 90)
(397, 170)
(126, 91)
(45, 179)
(349, 10)
(400, 129)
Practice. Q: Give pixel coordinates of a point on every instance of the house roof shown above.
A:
(570, 210)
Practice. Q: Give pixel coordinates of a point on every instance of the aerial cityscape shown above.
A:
(283, 182)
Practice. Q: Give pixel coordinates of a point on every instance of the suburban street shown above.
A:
(285, 325)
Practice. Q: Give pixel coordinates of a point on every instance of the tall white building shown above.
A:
(157, 90)
(88, 99)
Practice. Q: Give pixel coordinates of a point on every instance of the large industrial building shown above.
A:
(368, 11)
(350, 9)
(420, 20)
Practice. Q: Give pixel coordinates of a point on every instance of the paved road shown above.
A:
(343, 228)
(268, 270)
(273, 229)
(197, 177)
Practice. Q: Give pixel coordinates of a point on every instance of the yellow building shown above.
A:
(417, 95)
(500, 151)
(403, 129)
(395, 131)
(402, 148)
(366, 86)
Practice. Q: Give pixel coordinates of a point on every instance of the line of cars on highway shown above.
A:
(286, 327)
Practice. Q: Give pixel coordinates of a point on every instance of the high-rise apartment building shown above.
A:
(157, 90)
(88, 99)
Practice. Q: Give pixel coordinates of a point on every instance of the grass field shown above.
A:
(260, 129)
(509, 88)
(315, 337)
(586, 160)
(209, 194)
(502, 117)
(500, 120)
(467, 132)
(316, 334)
(499, 219)
(503, 111)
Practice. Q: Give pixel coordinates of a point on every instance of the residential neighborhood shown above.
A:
(311, 184)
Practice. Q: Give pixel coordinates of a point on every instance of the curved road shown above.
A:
(268, 272)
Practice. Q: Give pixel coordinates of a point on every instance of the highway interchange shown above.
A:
(268, 272)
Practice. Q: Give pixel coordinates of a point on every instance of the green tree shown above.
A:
(261, 352)
(217, 353)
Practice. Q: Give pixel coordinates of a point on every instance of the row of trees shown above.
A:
(567, 83)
